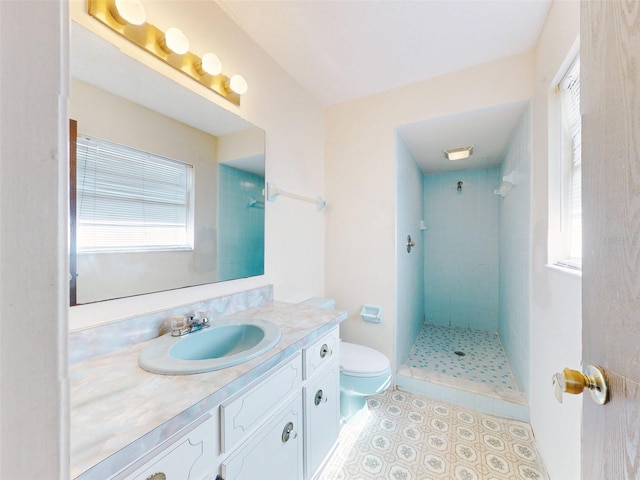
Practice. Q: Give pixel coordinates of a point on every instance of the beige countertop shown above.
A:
(119, 411)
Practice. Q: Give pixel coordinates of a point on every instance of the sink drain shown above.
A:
(459, 353)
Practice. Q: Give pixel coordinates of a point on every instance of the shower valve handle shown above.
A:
(410, 244)
(574, 382)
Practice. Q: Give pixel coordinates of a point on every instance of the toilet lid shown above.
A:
(361, 361)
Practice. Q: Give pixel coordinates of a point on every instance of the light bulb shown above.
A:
(238, 84)
(129, 11)
(210, 64)
(175, 41)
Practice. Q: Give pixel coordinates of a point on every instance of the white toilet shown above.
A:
(363, 371)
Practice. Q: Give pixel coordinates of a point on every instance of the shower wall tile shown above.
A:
(410, 283)
(515, 258)
(461, 249)
(241, 224)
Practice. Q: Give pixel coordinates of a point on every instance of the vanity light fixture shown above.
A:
(209, 65)
(175, 41)
(237, 84)
(128, 18)
(460, 153)
(128, 12)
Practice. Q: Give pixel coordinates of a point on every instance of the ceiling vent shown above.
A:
(459, 153)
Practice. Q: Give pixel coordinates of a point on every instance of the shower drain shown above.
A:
(459, 353)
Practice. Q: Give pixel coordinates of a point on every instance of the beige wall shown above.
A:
(241, 145)
(360, 171)
(294, 243)
(556, 310)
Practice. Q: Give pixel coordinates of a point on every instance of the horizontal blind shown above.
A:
(570, 91)
(130, 200)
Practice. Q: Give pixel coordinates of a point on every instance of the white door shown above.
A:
(610, 90)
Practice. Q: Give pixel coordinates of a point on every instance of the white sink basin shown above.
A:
(225, 343)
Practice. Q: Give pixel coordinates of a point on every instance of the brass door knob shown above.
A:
(574, 382)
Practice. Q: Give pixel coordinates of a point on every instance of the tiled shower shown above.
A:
(241, 223)
(469, 343)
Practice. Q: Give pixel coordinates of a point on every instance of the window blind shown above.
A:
(130, 200)
(572, 124)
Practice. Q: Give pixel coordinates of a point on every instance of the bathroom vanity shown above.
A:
(274, 417)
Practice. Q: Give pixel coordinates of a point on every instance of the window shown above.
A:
(571, 148)
(130, 200)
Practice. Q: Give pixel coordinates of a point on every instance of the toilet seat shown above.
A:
(361, 361)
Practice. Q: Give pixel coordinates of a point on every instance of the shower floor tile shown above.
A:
(473, 355)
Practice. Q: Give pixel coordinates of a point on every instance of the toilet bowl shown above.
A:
(363, 372)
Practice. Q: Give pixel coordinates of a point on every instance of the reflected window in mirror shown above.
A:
(131, 200)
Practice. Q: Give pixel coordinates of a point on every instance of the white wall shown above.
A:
(360, 171)
(294, 261)
(556, 312)
(410, 278)
(33, 251)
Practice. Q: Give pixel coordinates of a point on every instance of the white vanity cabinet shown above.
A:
(245, 412)
(321, 416)
(274, 452)
(284, 426)
(262, 427)
(321, 395)
(188, 456)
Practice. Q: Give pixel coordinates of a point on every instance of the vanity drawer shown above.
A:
(243, 413)
(321, 353)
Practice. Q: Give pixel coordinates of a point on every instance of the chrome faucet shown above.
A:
(193, 324)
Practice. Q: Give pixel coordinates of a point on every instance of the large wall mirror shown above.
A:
(120, 105)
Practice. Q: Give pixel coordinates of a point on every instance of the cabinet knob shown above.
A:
(288, 432)
(325, 350)
(320, 398)
(157, 476)
(574, 382)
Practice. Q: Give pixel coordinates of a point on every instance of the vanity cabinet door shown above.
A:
(245, 412)
(189, 457)
(274, 452)
(322, 416)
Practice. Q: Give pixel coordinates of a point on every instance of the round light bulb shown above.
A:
(130, 11)
(238, 84)
(176, 41)
(211, 64)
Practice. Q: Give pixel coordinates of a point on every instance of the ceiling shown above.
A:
(341, 50)
(488, 130)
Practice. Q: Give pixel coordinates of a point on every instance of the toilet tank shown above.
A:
(320, 302)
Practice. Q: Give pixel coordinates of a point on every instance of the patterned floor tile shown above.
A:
(407, 437)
